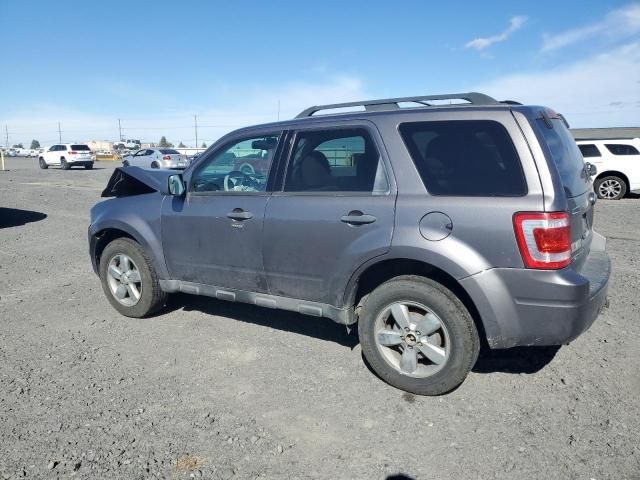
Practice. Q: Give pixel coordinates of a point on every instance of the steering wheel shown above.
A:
(236, 176)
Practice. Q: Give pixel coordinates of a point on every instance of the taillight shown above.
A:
(544, 239)
(166, 157)
(72, 152)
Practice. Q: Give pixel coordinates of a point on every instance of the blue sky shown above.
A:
(156, 64)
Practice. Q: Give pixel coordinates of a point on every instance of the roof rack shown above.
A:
(473, 98)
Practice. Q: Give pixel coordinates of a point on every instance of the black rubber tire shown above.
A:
(599, 181)
(152, 297)
(465, 343)
(88, 166)
(125, 163)
(64, 165)
(155, 165)
(43, 164)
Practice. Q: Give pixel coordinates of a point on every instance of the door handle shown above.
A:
(239, 214)
(357, 218)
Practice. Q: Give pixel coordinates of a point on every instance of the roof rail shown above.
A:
(473, 98)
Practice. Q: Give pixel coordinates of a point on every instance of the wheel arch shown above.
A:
(614, 173)
(385, 269)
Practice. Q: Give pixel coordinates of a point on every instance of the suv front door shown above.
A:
(213, 235)
(334, 212)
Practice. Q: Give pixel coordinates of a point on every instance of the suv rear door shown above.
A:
(560, 146)
(334, 211)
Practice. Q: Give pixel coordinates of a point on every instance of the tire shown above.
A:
(88, 166)
(151, 297)
(453, 340)
(64, 165)
(155, 165)
(610, 187)
(125, 163)
(43, 164)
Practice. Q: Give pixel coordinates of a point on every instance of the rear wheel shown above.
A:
(610, 187)
(43, 164)
(155, 165)
(418, 336)
(88, 166)
(64, 164)
(129, 280)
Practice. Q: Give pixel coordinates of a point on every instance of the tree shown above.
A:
(35, 144)
(163, 143)
(204, 145)
(181, 145)
(18, 145)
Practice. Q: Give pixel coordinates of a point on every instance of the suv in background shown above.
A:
(618, 165)
(67, 155)
(432, 227)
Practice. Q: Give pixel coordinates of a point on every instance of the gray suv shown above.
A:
(434, 222)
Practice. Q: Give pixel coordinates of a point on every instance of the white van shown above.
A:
(618, 164)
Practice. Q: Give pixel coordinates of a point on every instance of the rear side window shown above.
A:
(465, 158)
(565, 154)
(621, 149)
(82, 148)
(589, 150)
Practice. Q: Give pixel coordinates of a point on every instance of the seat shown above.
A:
(313, 173)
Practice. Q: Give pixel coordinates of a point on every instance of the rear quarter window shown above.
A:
(465, 158)
(621, 149)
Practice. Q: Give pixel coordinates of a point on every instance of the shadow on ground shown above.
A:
(515, 360)
(14, 217)
(320, 328)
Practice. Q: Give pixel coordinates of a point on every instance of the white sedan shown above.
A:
(156, 158)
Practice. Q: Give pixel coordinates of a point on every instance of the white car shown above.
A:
(618, 164)
(156, 158)
(67, 155)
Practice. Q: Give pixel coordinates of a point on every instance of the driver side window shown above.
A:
(242, 166)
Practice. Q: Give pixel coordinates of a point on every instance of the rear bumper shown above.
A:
(535, 307)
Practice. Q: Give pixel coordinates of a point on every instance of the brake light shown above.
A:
(72, 152)
(544, 239)
(166, 157)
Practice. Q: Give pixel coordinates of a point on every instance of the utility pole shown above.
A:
(59, 133)
(195, 121)
(120, 129)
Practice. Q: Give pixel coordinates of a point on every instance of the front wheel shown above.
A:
(43, 164)
(610, 187)
(418, 336)
(129, 280)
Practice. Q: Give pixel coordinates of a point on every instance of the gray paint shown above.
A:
(295, 252)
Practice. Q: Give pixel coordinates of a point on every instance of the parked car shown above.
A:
(618, 165)
(12, 152)
(156, 158)
(430, 227)
(67, 155)
(127, 145)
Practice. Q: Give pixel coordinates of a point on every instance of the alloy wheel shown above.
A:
(610, 189)
(124, 279)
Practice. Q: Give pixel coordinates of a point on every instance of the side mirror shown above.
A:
(591, 169)
(176, 185)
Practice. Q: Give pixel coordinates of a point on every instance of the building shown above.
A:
(100, 145)
(605, 133)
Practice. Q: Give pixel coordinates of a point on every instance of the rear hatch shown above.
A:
(552, 131)
(82, 152)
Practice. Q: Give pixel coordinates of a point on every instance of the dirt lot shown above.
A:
(215, 390)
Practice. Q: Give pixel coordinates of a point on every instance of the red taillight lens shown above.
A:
(72, 152)
(544, 239)
(166, 157)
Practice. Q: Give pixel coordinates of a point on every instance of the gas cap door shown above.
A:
(436, 226)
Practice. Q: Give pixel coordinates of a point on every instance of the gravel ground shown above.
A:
(216, 390)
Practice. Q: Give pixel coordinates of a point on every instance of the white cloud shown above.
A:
(483, 42)
(618, 23)
(600, 91)
(251, 105)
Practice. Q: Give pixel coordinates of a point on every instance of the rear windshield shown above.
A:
(168, 151)
(80, 147)
(465, 158)
(566, 155)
